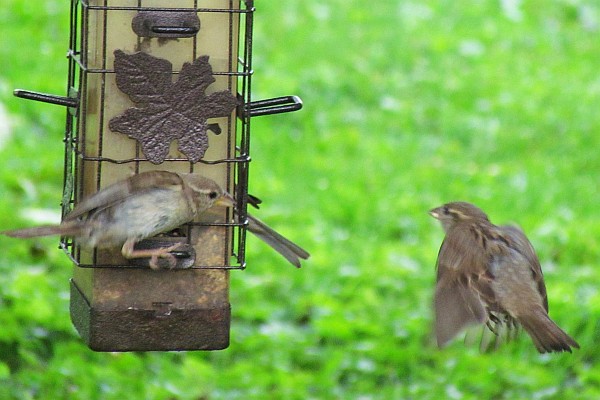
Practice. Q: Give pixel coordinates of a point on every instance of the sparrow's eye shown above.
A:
(213, 195)
(446, 210)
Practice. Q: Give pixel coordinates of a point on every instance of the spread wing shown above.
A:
(463, 283)
(520, 242)
(118, 191)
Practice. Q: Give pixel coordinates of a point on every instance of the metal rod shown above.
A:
(47, 98)
(275, 105)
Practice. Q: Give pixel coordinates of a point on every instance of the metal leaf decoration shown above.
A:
(167, 110)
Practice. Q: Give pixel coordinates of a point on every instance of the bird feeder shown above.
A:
(159, 85)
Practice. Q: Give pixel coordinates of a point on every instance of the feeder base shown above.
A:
(159, 329)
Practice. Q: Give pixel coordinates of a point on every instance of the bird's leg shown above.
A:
(129, 251)
(493, 319)
(513, 327)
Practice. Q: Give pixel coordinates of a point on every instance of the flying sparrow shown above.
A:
(488, 274)
(146, 205)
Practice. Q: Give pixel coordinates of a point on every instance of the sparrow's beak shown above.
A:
(225, 201)
(434, 213)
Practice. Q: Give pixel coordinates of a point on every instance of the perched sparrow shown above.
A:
(145, 205)
(490, 274)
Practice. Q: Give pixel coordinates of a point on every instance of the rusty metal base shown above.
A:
(149, 330)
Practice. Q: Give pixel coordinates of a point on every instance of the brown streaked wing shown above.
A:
(519, 242)
(456, 307)
(462, 251)
(482, 284)
(462, 282)
(118, 191)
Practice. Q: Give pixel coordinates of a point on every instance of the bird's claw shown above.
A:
(165, 253)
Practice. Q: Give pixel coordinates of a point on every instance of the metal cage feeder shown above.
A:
(119, 51)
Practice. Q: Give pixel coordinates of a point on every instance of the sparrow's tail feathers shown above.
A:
(65, 229)
(546, 335)
(291, 251)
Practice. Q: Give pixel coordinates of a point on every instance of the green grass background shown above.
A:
(408, 104)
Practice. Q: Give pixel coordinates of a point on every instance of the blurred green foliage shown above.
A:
(408, 104)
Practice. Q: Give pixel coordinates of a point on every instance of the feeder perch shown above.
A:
(159, 85)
